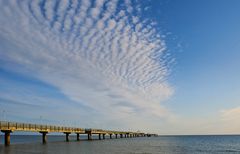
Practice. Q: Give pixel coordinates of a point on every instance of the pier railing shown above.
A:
(15, 126)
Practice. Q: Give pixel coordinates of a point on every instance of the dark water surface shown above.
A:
(145, 145)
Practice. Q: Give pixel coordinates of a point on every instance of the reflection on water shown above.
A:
(163, 144)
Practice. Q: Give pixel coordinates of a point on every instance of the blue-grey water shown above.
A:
(22, 144)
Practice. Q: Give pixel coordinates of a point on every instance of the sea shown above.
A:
(194, 144)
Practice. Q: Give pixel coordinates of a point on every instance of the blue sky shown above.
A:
(168, 66)
(207, 65)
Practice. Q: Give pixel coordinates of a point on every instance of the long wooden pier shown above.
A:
(9, 127)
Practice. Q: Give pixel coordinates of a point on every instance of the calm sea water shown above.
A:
(145, 145)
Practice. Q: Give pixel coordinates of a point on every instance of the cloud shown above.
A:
(230, 118)
(222, 122)
(231, 114)
(90, 51)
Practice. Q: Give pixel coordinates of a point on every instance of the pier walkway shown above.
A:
(9, 127)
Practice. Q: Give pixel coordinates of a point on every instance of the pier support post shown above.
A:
(103, 136)
(110, 136)
(44, 137)
(67, 136)
(99, 136)
(89, 136)
(125, 135)
(6, 136)
(78, 137)
(116, 135)
(121, 135)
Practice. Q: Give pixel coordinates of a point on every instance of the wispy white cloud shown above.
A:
(91, 51)
(221, 122)
(230, 118)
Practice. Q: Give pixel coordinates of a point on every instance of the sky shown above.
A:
(158, 66)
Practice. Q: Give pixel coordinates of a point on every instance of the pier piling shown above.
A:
(78, 137)
(44, 137)
(6, 137)
(89, 136)
(67, 136)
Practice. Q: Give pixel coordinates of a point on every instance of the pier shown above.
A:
(10, 127)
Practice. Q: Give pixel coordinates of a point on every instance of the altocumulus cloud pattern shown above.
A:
(101, 53)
